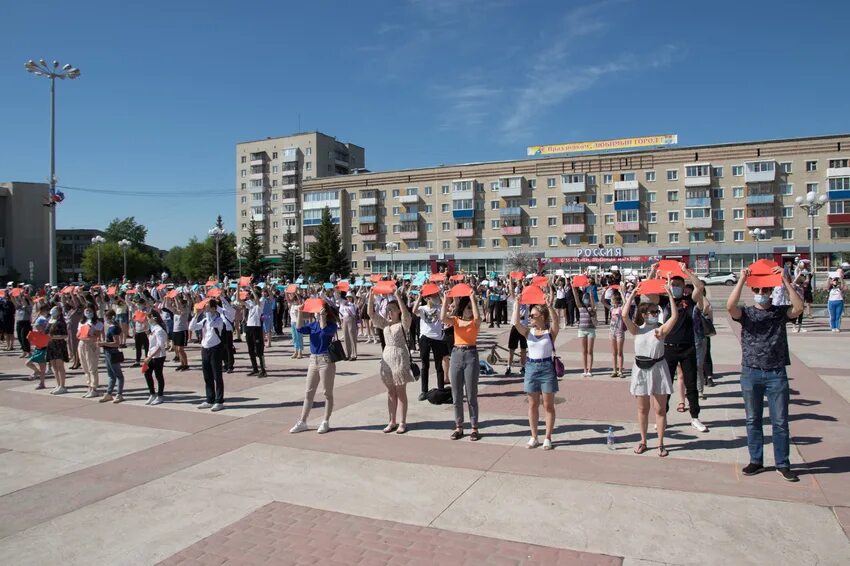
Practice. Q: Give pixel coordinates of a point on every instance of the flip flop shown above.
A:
(681, 408)
(641, 448)
(662, 452)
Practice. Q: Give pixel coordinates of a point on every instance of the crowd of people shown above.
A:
(437, 316)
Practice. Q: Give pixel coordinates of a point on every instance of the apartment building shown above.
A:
(698, 204)
(269, 177)
(24, 230)
(71, 244)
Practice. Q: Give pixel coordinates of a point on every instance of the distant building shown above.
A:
(71, 244)
(24, 231)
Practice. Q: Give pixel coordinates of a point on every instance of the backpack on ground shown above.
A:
(440, 396)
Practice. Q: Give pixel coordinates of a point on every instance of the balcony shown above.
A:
(837, 219)
(572, 184)
(257, 176)
(258, 161)
(369, 201)
(573, 228)
(309, 239)
(289, 171)
(258, 217)
(701, 202)
(761, 199)
(573, 208)
(511, 186)
(760, 221)
(464, 232)
(627, 226)
(409, 235)
(463, 188)
(254, 190)
(314, 204)
(369, 219)
(290, 200)
(627, 205)
(764, 175)
(838, 172)
(511, 230)
(624, 185)
(369, 237)
(289, 186)
(290, 214)
(463, 213)
(839, 195)
(510, 211)
(408, 199)
(409, 217)
(696, 223)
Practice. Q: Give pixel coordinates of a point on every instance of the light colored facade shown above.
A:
(24, 231)
(694, 203)
(269, 177)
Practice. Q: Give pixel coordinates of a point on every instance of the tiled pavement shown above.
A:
(91, 483)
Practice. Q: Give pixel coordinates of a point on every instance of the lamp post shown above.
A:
(392, 247)
(293, 249)
(98, 241)
(812, 204)
(42, 69)
(758, 234)
(217, 233)
(124, 245)
(239, 251)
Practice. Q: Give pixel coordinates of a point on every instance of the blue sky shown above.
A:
(169, 88)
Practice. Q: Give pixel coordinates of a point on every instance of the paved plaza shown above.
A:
(89, 483)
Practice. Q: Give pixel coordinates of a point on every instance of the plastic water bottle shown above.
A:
(611, 438)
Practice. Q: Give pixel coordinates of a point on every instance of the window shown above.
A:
(428, 191)
(275, 169)
(244, 213)
(840, 233)
(532, 222)
(551, 202)
(396, 228)
(396, 210)
(652, 238)
(651, 196)
(550, 183)
(811, 188)
(738, 192)
(717, 193)
(737, 214)
(718, 214)
(494, 205)
(672, 196)
(243, 159)
(788, 234)
(308, 151)
(717, 171)
(737, 170)
(608, 218)
(243, 173)
(809, 234)
(608, 198)
(672, 216)
(786, 189)
(652, 217)
(672, 174)
(609, 239)
(627, 176)
(738, 235)
(446, 226)
(496, 243)
(274, 182)
(650, 176)
(429, 227)
(242, 186)
(354, 247)
(243, 226)
(811, 166)
(697, 171)
(606, 179)
(495, 224)
(591, 199)
(787, 212)
(243, 200)
(532, 203)
(532, 242)
(592, 239)
(552, 221)
(444, 207)
(837, 207)
(696, 237)
(719, 235)
(275, 225)
(673, 237)
(396, 192)
(446, 245)
(553, 241)
(786, 167)
(308, 166)
(444, 189)
(429, 208)
(532, 184)
(839, 184)
(354, 264)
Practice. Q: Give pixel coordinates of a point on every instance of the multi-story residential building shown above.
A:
(698, 204)
(71, 244)
(24, 229)
(269, 175)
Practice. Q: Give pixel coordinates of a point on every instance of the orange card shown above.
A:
(139, 316)
(214, 292)
(243, 295)
(532, 295)
(245, 281)
(83, 331)
(580, 281)
(171, 294)
(38, 339)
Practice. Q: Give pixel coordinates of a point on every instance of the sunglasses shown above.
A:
(762, 290)
(656, 311)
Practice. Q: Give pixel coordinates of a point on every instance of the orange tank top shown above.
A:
(466, 332)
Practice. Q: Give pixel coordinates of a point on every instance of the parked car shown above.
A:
(719, 278)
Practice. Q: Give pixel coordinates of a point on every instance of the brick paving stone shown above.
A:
(314, 536)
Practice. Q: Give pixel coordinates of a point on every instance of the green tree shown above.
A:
(127, 228)
(173, 262)
(141, 263)
(292, 259)
(226, 250)
(326, 253)
(254, 264)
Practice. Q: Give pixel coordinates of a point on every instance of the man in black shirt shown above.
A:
(679, 344)
(764, 347)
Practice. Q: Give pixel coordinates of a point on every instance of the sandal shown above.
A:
(457, 434)
(681, 408)
(662, 452)
(390, 428)
(641, 448)
(402, 428)
(474, 436)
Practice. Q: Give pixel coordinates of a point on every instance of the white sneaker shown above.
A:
(156, 401)
(547, 444)
(323, 428)
(118, 399)
(217, 407)
(532, 443)
(300, 426)
(698, 425)
(107, 397)
(60, 391)
(204, 405)
(150, 399)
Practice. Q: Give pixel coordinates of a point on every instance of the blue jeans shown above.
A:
(297, 339)
(755, 384)
(836, 310)
(113, 369)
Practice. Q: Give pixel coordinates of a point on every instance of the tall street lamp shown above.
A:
(812, 204)
(293, 249)
(758, 235)
(42, 69)
(239, 251)
(217, 233)
(392, 247)
(98, 241)
(124, 245)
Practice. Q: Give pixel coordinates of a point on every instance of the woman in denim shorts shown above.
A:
(540, 379)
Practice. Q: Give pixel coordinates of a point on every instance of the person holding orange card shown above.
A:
(586, 320)
(38, 339)
(89, 332)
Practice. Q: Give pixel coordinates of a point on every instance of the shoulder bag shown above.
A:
(414, 367)
(557, 364)
(335, 350)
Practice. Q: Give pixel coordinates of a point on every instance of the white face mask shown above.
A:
(88, 314)
(652, 320)
(762, 299)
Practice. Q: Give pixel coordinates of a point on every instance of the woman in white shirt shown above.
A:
(348, 315)
(835, 301)
(89, 333)
(155, 360)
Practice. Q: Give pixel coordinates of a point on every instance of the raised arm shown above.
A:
(406, 319)
(376, 318)
(444, 309)
(476, 315)
(674, 314)
(627, 319)
(699, 287)
(735, 296)
(521, 328)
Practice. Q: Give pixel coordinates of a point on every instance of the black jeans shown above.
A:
(211, 366)
(685, 354)
(708, 364)
(412, 333)
(155, 367)
(228, 352)
(23, 328)
(141, 340)
(438, 347)
(254, 337)
(493, 310)
(503, 311)
(572, 315)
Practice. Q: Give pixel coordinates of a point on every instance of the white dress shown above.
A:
(655, 380)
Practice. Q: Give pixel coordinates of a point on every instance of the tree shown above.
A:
(292, 259)
(127, 228)
(254, 252)
(227, 255)
(520, 261)
(141, 263)
(326, 253)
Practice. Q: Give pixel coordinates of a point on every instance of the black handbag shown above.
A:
(116, 356)
(414, 367)
(335, 351)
